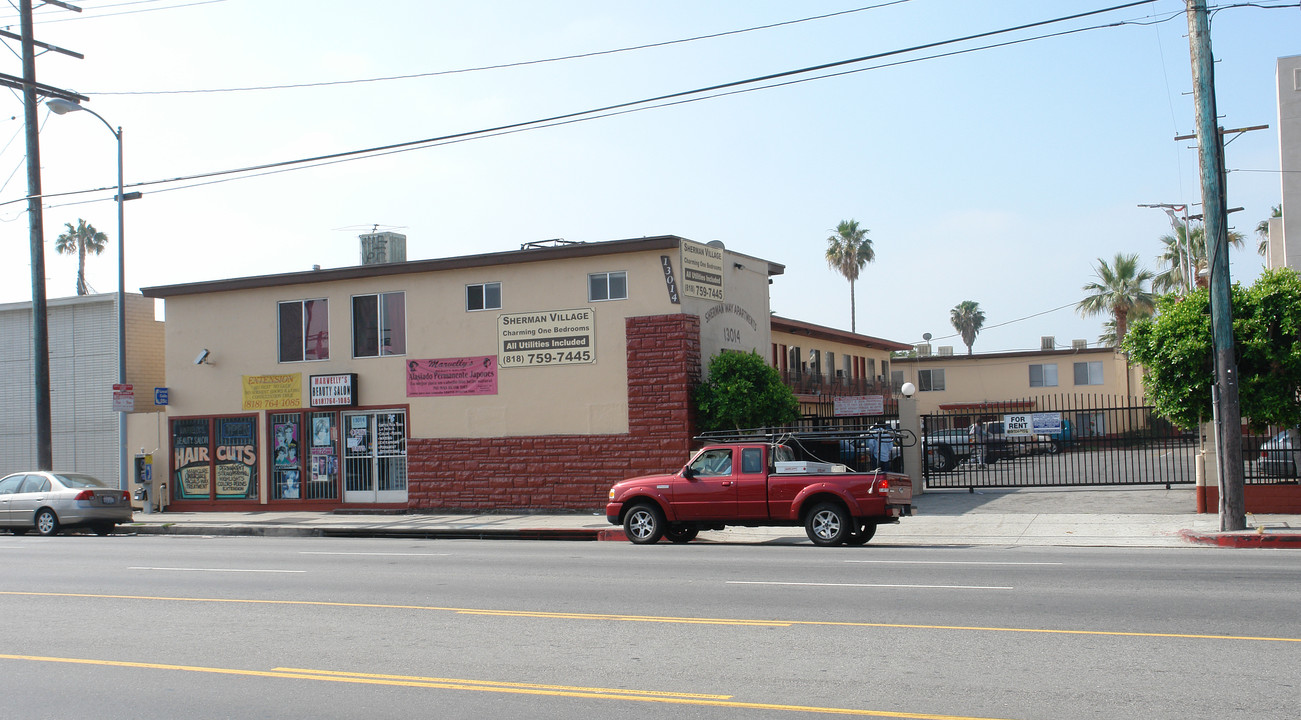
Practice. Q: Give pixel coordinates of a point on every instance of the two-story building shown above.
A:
(525, 379)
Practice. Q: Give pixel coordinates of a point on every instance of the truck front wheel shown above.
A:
(644, 524)
(828, 524)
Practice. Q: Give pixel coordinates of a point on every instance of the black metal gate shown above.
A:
(1055, 440)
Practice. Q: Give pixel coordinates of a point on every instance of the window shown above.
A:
(485, 296)
(930, 380)
(713, 463)
(1043, 375)
(304, 330)
(607, 286)
(751, 460)
(1088, 373)
(896, 378)
(379, 324)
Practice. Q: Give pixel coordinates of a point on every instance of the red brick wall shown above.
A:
(573, 472)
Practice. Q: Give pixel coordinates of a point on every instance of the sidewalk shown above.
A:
(1109, 517)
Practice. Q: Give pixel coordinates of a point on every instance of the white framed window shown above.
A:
(930, 380)
(379, 324)
(1043, 375)
(607, 286)
(484, 296)
(1088, 373)
(303, 330)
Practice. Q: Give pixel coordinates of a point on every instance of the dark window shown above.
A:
(379, 325)
(929, 380)
(751, 460)
(1043, 375)
(1088, 373)
(304, 330)
(486, 296)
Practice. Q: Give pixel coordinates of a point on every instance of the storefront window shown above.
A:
(215, 458)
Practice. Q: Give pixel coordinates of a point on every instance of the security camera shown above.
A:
(203, 355)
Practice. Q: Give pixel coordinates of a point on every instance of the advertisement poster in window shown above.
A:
(236, 458)
(324, 462)
(190, 459)
(445, 377)
(390, 433)
(358, 441)
(285, 444)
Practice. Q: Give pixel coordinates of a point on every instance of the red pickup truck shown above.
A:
(758, 484)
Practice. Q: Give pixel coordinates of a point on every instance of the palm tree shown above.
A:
(1262, 230)
(1173, 257)
(82, 239)
(849, 251)
(1118, 292)
(967, 319)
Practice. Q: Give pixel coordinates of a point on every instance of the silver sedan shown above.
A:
(49, 501)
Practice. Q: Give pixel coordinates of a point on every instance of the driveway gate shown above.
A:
(1055, 440)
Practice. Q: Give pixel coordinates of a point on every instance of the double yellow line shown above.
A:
(567, 691)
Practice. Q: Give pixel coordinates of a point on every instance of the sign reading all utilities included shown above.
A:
(550, 337)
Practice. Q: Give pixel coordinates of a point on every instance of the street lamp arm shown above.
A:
(59, 106)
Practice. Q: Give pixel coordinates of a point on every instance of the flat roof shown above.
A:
(510, 257)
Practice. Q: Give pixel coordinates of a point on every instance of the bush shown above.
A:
(742, 392)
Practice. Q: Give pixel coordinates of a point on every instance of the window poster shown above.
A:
(236, 456)
(324, 462)
(358, 439)
(191, 462)
(443, 377)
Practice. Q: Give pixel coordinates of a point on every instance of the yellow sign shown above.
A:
(273, 392)
(195, 480)
(234, 479)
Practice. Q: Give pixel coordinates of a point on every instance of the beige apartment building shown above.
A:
(962, 389)
(822, 364)
(525, 379)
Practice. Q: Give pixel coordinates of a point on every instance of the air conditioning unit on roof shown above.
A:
(946, 350)
(923, 349)
(1079, 344)
(1047, 342)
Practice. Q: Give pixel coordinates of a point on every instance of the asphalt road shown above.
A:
(193, 627)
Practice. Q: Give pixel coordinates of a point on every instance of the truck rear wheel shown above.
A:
(644, 524)
(828, 524)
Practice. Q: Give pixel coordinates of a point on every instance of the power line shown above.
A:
(500, 66)
(619, 108)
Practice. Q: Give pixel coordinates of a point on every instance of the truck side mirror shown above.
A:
(688, 473)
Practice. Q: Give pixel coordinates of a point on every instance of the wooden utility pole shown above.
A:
(1211, 159)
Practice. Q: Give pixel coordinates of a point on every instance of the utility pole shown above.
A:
(1211, 160)
(36, 227)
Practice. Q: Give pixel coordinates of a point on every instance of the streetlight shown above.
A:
(62, 107)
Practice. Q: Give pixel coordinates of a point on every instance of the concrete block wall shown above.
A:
(573, 472)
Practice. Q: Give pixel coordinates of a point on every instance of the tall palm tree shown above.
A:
(1262, 230)
(849, 251)
(1171, 279)
(1119, 291)
(81, 240)
(967, 319)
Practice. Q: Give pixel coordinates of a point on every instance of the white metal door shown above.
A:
(375, 457)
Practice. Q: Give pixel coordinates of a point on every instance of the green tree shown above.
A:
(1171, 279)
(967, 319)
(1176, 350)
(743, 391)
(1119, 291)
(1262, 230)
(849, 250)
(82, 239)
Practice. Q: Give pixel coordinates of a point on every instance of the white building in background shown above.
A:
(83, 369)
(1285, 233)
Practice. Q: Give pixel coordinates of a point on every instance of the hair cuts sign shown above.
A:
(550, 337)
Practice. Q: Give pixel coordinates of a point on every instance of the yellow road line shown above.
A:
(667, 619)
(721, 701)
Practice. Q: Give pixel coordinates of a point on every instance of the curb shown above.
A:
(1247, 539)
(419, 533)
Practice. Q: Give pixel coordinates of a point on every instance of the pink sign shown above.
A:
(443, 377)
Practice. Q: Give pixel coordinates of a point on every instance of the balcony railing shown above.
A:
(805, 383)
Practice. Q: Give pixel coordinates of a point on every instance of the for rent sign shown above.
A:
(553, 337)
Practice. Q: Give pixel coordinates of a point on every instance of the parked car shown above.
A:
(944, 449)
(1279, 454)
(49, 501)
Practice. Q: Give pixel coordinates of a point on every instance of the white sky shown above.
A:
(998, 176)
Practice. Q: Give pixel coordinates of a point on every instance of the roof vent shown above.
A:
(923, 349)
(946, 350)
(1079, 344)
(1047, 342)
(383, 247)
